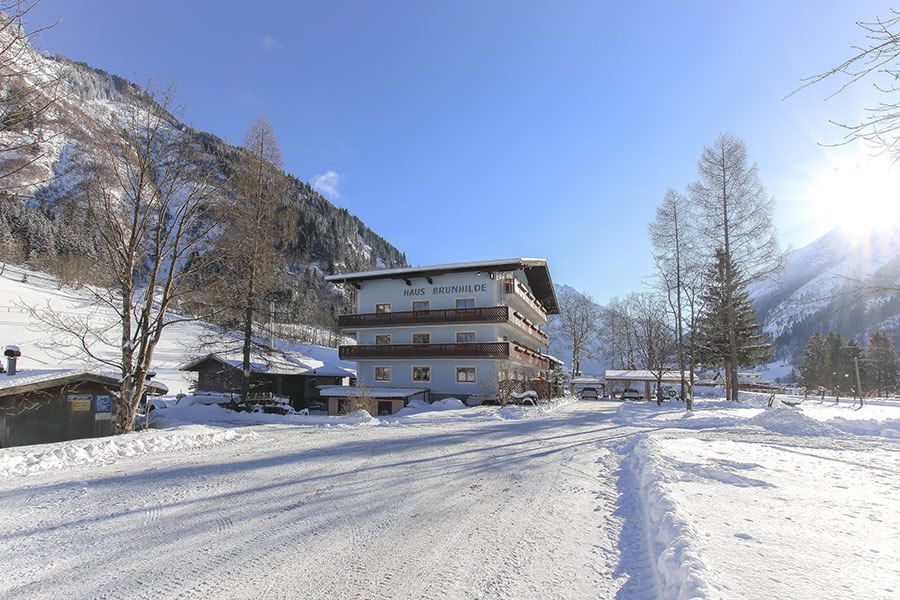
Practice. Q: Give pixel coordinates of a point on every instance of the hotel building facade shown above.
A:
(456, 330)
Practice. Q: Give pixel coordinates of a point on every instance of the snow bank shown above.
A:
(417, 406)
(672, 542)
(518, 412)
(790, 421)
(787, 416)
(887, 428)
(212, 413)
(27, 460)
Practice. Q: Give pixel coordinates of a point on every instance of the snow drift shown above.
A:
(672, 542)
(26, 460)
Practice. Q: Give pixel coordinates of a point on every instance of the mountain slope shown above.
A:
(840, 282)
(55, 151)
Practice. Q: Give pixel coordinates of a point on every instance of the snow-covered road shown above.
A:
(458, 509)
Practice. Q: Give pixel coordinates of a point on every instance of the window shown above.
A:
(382, 339)
(465, 337)
(421, 373)
(421, 338)
(382, 373)
(383, 308)
(465, 303)
(465, 374)
(421, 305)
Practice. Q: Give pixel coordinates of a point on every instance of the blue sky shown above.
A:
(468, 130)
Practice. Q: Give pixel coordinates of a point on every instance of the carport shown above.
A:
(633, 377)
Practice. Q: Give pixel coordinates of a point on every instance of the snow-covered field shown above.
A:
(744, 501)
(564, 500)
(23, 290)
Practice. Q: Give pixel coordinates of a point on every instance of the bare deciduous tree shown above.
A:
(27, 92)
(250, 267)
(736, 216)
(655, 344)
(876, 59)
(616, 334)
(670, 238)
(153, 203)
(577, 324)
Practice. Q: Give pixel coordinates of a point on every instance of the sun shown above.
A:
(861, 195)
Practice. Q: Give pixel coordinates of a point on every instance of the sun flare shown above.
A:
(861, 196)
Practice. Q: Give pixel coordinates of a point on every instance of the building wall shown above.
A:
(442, 293)
(440, 334)
(486, 291)
(443, 375)
(56, 414)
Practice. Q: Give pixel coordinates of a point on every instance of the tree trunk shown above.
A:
(248, 337)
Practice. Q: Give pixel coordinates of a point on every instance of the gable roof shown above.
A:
(32, 380)
(312, 360)
(536, 272)
(641, 375)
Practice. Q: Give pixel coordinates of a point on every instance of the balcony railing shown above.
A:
(492, 350)
(529, 327)
(517, 288)
(485, 314)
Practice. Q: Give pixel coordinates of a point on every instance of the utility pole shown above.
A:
(858, 384)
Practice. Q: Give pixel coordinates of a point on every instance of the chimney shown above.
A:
(11, 353)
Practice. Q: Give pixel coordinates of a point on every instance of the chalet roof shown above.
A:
(31, 380)
(312, 360)
(641, 375)
(536, 271)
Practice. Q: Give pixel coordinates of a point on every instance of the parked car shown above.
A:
(589, 393)
(669, 392)
(631, 394)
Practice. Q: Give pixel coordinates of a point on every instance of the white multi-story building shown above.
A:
(456, 330)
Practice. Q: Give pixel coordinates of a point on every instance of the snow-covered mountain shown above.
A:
(50, 154)
(842, 281)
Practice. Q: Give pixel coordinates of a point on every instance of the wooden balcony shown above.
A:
(486, 314)
(530, 328)
(517, 292)
(489, 350)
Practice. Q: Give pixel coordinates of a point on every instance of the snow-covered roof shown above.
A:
(536, 271)
(586, 380)
(311, 360)
(345, 391)
(641, 375)
(36, 379)
(553, 359)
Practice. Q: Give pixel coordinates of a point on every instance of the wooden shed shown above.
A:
(295, 375)
(42, 406)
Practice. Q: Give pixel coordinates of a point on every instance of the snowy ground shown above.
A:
(565, 500)
(473, 507)
(787, 502)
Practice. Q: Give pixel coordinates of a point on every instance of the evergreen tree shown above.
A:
(728, 327)
(812, 366)
(836, 368)
(883, 368)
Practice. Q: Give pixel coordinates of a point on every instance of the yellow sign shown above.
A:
(80, 405)
(80, 402)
